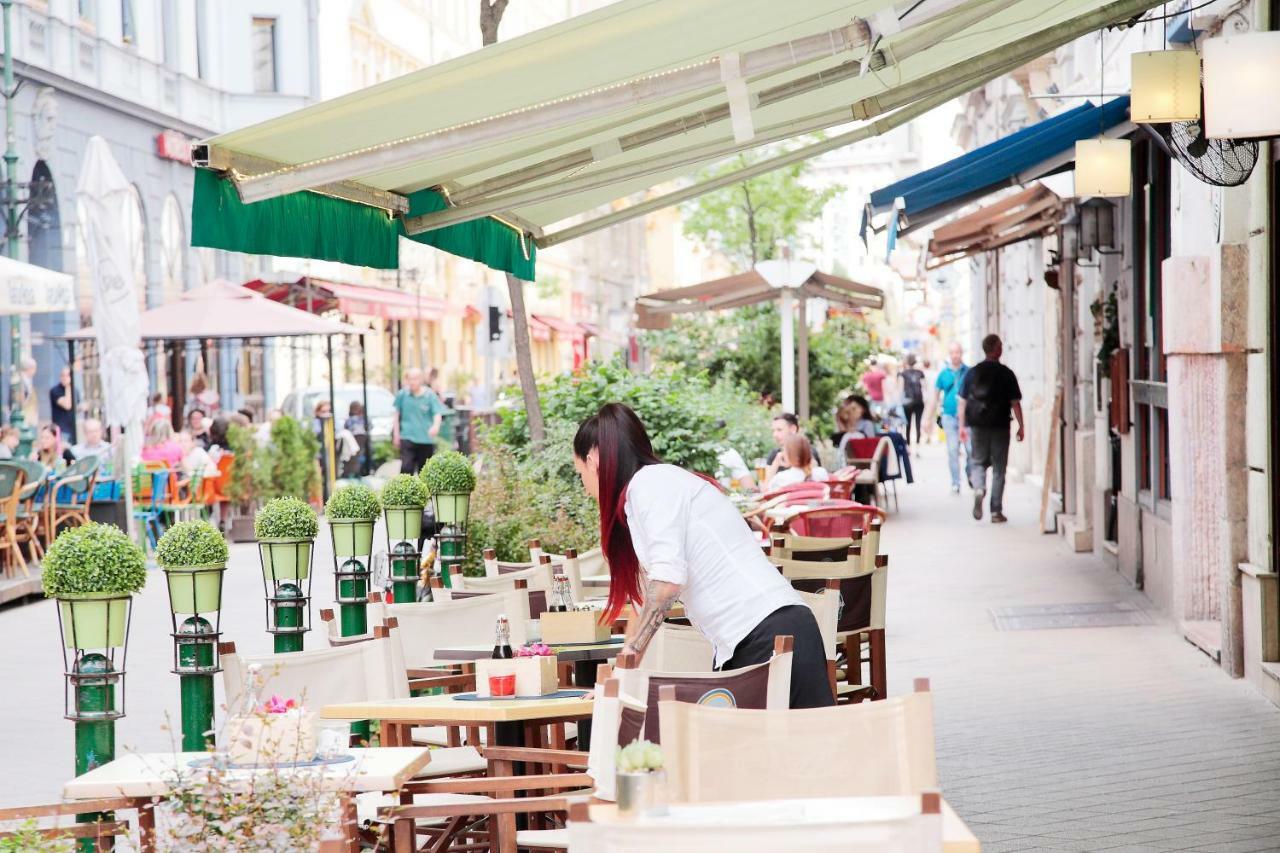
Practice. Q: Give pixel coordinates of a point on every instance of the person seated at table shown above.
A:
(160, 446)
(94, 444)
(9, 440)
(855, 419)
(801, 466)
(694, 547)
(49, 450)
(195, 459)
(733, 471)
(198, 425)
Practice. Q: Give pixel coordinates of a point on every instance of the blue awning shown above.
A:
(1034, 151)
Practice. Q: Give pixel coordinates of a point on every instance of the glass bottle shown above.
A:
(566, 593)
(502, 640)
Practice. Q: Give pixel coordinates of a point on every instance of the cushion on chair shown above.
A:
(552, 839)
(452, 761)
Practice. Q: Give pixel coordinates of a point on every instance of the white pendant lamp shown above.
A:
(1240, 79)
(1165, 87)
(1102, 168)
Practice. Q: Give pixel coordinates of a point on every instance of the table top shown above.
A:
(445, 710)
(153, 774)
(569, 654)
(956, 836)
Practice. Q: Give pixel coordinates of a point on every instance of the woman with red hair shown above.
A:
(672, 535)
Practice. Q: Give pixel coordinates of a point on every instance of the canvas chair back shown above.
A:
(723, 754)
(537, 598)
(679, 648)
(848, 825)
(764, 685)
(863, 581)
(606, 715)
(834, 522)
(429, 625)
(576, 566)
(355, 673)
(825, 604)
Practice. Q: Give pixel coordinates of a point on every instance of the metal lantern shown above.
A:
(1103, 168)
(404, 559)
(1096, 225)
(1165, 86)
(286, 580)
(1240, 73)
(452, 511)
(95, 643)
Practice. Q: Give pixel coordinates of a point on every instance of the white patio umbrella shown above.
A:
(104, 195)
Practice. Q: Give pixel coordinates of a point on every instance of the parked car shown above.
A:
(301, 406)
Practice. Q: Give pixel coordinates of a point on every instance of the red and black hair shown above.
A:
(624, 448)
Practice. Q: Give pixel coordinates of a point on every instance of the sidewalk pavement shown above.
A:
(1122, 739)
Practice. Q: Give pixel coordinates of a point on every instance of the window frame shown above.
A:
(270, 24)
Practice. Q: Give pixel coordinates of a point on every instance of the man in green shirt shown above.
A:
(415, 425)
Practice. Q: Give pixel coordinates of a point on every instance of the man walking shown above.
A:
(873, 384)
(416, 422)
(945, 401)
(988, 395)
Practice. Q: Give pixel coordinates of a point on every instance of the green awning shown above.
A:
(309, 225)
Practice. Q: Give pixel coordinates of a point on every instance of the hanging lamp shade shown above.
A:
(1166, 86)
(1102, 168)
(1240, 74)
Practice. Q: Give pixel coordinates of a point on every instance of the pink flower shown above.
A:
(534, 650)
(276, 705)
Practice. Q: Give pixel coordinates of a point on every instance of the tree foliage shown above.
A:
(741, 345)
(746, 221)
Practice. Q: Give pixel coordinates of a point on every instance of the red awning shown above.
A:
(326, 295)
(561, 327)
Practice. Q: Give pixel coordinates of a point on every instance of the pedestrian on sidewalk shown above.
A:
(62, 405)
(415, 425)
(946, 400)
(988, 396)
(873, 384)
(912, 379)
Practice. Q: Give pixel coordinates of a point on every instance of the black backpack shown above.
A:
(979, 408)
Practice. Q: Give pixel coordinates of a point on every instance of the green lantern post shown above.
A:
(286, 529)
(93, 571)
(403, 498)
(194, 556)
(450, 480)
(352, 511)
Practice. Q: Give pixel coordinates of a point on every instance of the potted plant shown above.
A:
(93, 570)
(352, 511)
(403, 498)
(450, 480)
(194, 556)
(286, 528)
(639, 770)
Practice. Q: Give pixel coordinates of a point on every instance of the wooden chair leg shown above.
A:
(11, 536)
(879, 672)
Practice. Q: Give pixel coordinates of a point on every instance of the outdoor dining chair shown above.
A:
(11, 478)
(148, 501)
(873, 456)
(70, 496)
(31, 499)
(56, 822)
(831, 522)
(538, 576)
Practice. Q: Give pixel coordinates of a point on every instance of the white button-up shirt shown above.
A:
(686, 532)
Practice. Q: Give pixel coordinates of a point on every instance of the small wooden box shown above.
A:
(535, 676)
(575, 626)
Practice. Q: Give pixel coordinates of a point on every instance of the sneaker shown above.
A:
(998, 518)
(977, 504)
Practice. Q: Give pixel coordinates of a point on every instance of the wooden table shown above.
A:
(956, 836)
(585, 660)
(380, 769)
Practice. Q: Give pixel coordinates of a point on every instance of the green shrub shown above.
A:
(384, 451)
(354, 501)
(246, 480)
(404, 490)
(191, 543)
(448, 473)
(287, 465)
(286, 518)
(93, 558)
(27, 838)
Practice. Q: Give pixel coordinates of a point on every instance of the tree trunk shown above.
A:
(490, 17)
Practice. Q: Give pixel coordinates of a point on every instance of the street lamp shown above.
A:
(286, 529)
(788, 276)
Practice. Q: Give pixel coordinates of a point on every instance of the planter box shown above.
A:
(195, 589)
(576, 626)
(285, 559)
(535, 676)
(404, 523)
(94, 620)
(452, 508)
(351, 537)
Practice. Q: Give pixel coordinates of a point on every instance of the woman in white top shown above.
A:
(694, 547)
(798, 457)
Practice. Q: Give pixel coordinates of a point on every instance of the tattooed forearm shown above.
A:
(659, 597)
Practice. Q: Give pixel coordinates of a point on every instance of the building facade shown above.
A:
(1156, 314)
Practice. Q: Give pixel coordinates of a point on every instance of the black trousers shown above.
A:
(914, 411)
(413, 456)
(810, 687)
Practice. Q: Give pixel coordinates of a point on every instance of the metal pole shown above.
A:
(75, 410)
(95, 738)
(785, 309)
(328, 433)
(11, 214)
(196, 687)
(802, 358)
(288, 615)
(366, 452)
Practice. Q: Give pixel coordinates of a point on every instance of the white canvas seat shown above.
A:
(429, 625)
(355, 673)
(679, 648)
(537, 576)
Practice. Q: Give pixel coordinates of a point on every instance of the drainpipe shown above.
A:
(11, 213)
